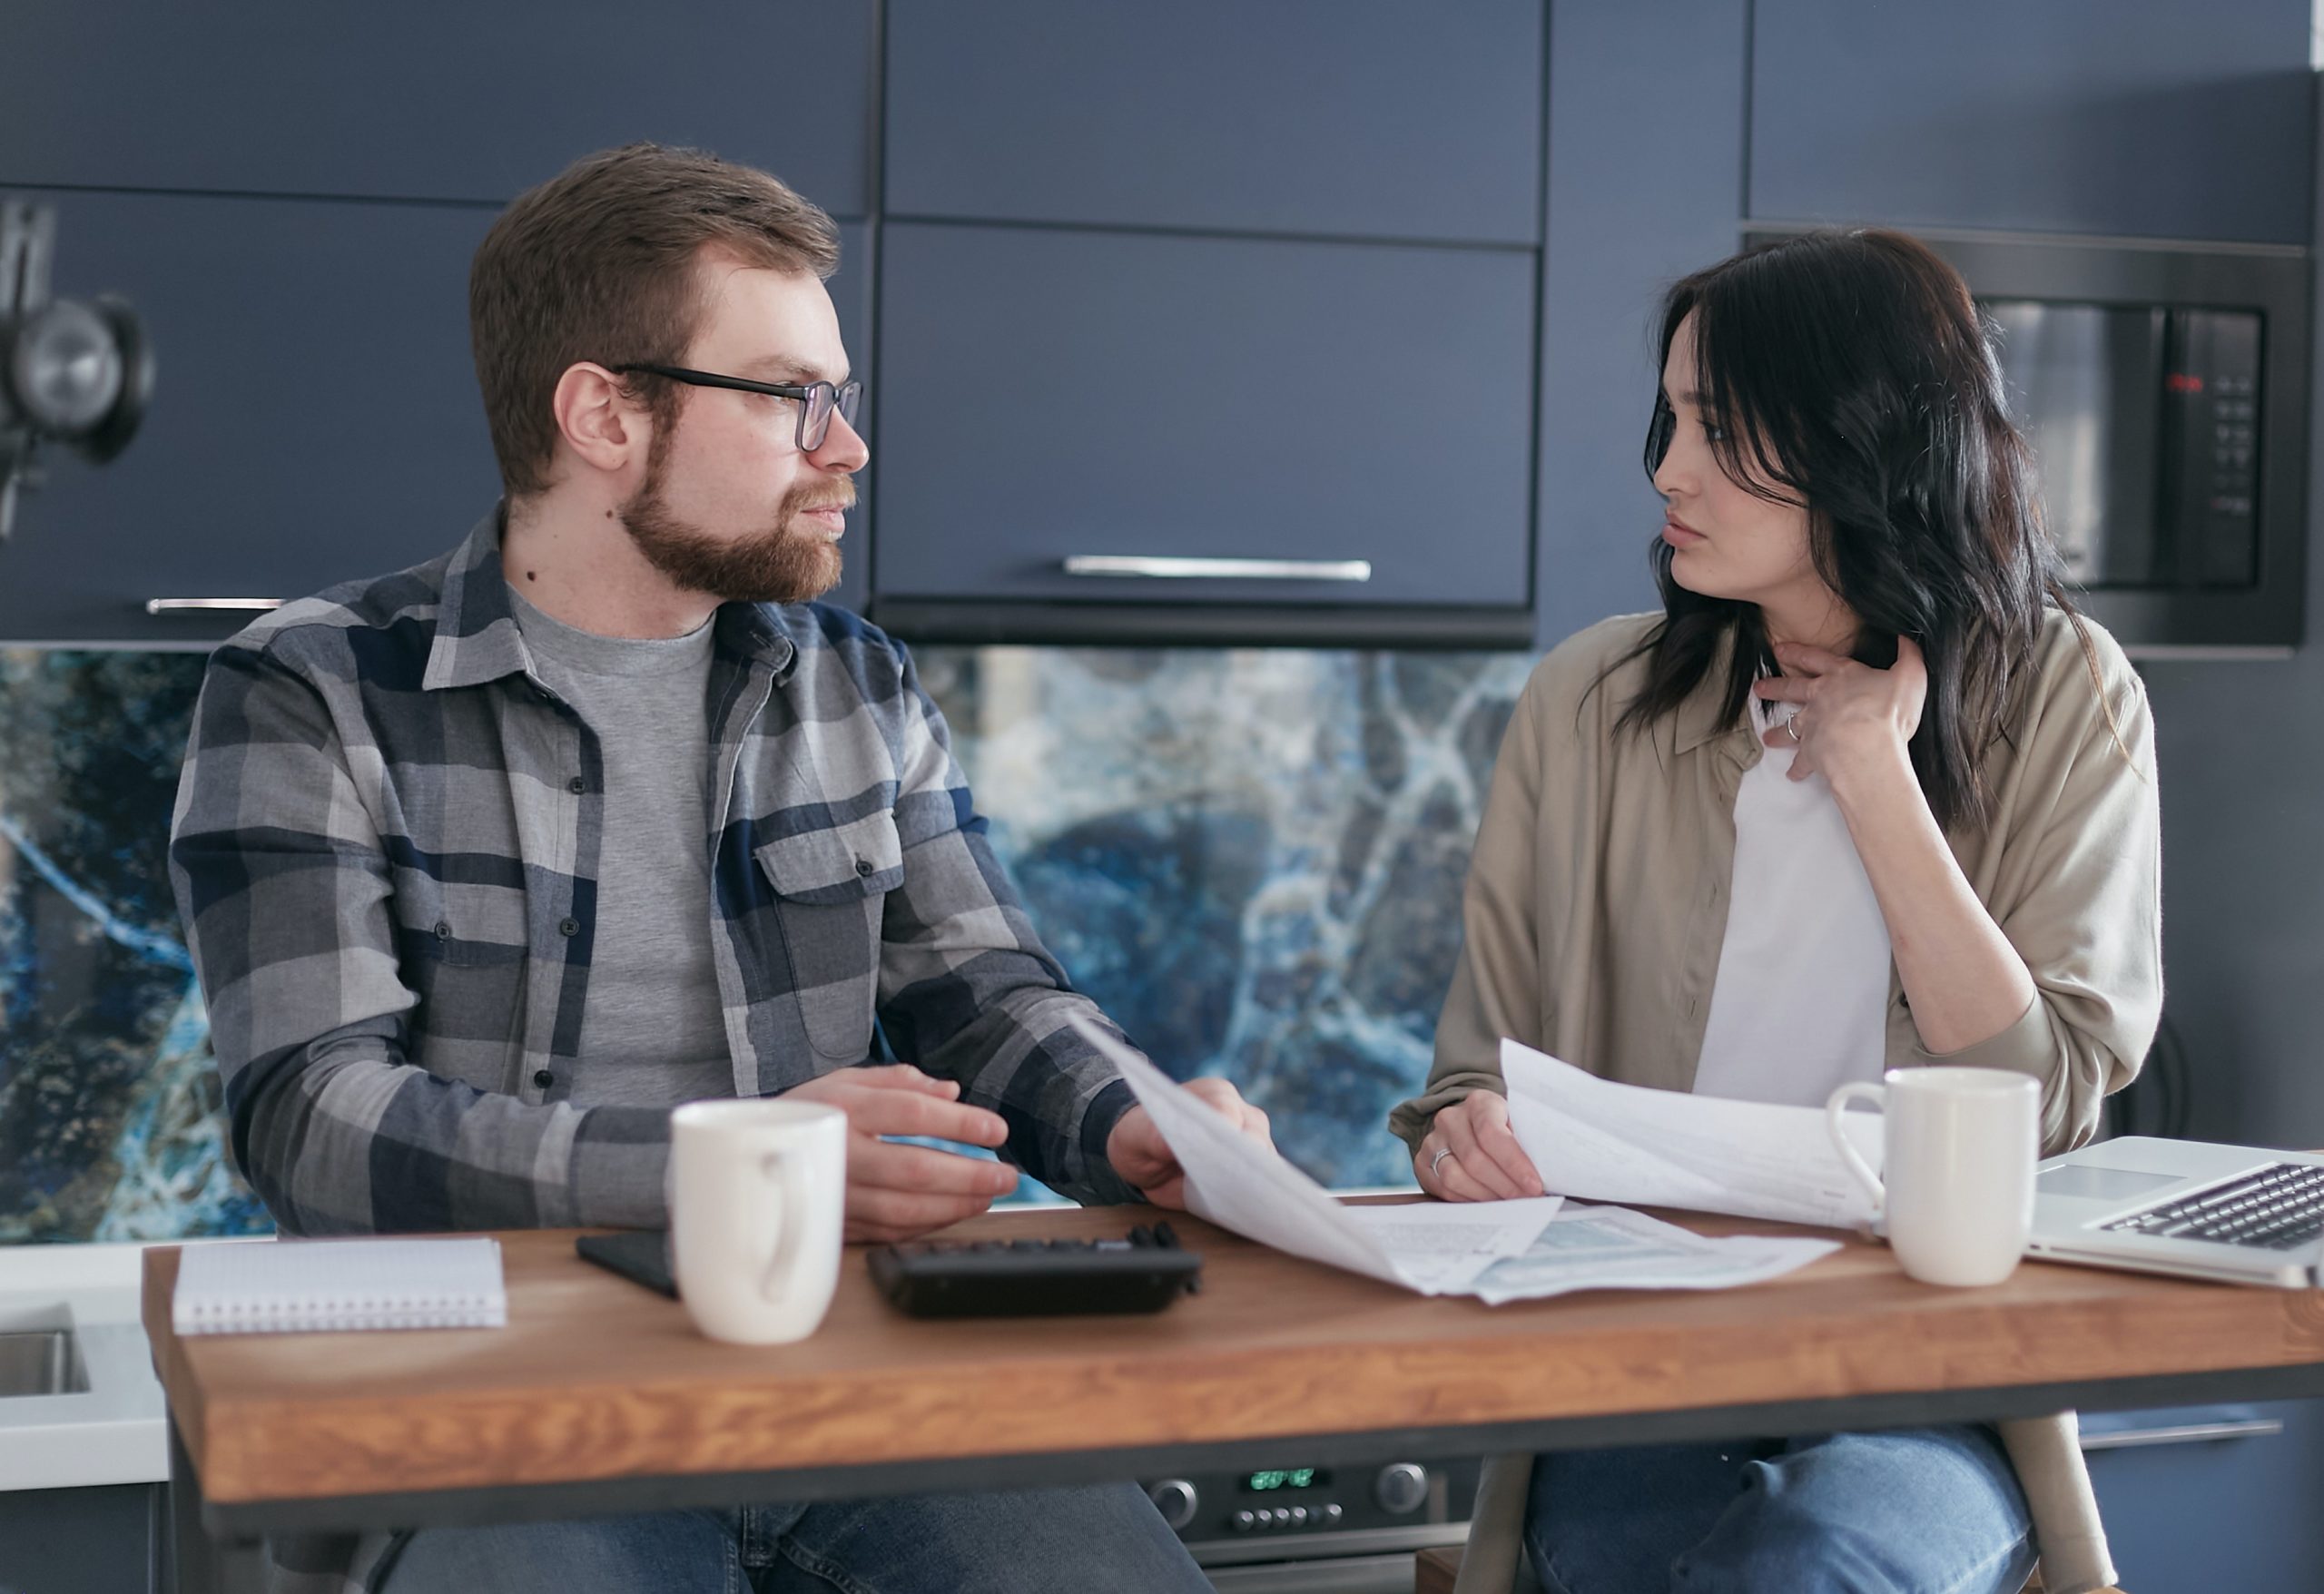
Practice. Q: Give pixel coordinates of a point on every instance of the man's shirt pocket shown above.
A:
(830, 888)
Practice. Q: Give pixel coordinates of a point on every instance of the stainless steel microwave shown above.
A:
(2164, 388)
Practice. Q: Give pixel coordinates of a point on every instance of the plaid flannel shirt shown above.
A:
(386, 852)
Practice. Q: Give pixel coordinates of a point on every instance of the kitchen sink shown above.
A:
(79, 1404)
(44, 1362)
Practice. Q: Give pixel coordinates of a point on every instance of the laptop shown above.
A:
(2233, 1213)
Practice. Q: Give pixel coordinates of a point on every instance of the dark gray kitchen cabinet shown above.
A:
(851, 293)
(1049, 395)
(315, 418)
(2151, 118)
(1645, 101)
(431, 99)
(2206, 1499)
(93, 1541)
(1368, 118)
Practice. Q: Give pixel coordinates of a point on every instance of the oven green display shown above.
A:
(1285, 1478)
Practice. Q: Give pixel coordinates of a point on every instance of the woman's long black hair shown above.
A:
(1851, 371)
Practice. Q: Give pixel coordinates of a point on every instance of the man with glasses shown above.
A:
(488, 864)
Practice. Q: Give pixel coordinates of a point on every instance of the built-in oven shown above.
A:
(2164, 388)
(1341, 1529)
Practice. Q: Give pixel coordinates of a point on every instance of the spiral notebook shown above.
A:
(308, 1286)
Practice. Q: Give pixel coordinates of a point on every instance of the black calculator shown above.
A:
(1028, 1278)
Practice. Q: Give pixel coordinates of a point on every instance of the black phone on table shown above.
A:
(640, 1256)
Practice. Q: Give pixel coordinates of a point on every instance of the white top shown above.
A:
(1801, 1003)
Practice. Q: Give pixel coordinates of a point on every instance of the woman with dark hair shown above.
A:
(1868, 794)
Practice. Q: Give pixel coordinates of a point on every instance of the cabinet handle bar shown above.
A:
(2190, 1433)
(210, 605)
(1184, 569)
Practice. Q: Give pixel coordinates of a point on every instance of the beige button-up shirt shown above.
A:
(1597, 904)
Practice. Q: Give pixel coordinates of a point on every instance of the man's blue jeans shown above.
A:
(1028, 1542)
(1929, 1510)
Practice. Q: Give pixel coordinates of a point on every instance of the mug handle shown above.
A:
(788, 1220)
(1834, 1106)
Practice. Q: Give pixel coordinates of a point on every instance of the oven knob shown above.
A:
(1299, 1515)
(1401, 1488)
(1175, 1499)
(1245, 1521)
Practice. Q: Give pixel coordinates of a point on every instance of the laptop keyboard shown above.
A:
(2274, 1209)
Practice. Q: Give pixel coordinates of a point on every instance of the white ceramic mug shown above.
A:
(758, 1190)
(1959, 1147)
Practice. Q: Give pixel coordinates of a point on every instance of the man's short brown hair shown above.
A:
(598, 264)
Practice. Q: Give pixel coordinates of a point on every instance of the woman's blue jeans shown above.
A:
(1929, 1510)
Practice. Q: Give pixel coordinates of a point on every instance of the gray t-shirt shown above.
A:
(652, 1031)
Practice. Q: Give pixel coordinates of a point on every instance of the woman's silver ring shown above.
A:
(1439, 1158)
(1792, 725)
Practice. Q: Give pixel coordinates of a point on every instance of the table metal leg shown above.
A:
(197, 1563)
(242, 1565)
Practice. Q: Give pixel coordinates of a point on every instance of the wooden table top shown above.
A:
(595, 1378)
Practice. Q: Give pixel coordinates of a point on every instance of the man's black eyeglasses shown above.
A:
(817, 400)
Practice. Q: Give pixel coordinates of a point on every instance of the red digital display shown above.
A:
(2183, 382)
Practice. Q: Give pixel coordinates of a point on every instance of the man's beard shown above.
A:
(778, 564)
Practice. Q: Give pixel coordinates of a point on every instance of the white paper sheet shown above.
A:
(1612, 1247)
(1498, 1250)
(1600, 1141)
(1440, 1247)
(1238, 1184)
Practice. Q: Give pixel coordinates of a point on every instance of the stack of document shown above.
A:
(1609, 1142)
(1497, 1250)
(1614, 1248)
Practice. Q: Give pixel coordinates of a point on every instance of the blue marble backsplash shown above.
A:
(1252, 858)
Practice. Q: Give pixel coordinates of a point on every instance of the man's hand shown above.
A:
(1142, 1157)
(896, 1192)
